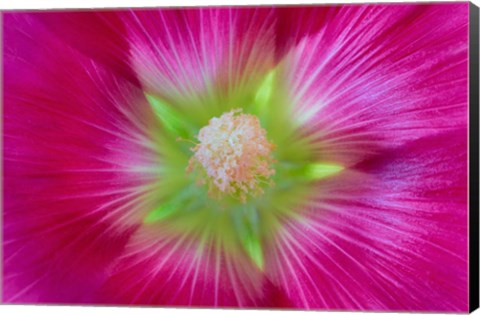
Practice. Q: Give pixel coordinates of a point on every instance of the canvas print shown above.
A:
(298, 157)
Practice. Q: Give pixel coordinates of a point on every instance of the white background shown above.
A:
(54, 310)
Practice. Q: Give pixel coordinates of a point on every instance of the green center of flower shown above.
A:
(228, 197)
(234, 156)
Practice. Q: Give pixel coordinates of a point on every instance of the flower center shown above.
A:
(235, 156)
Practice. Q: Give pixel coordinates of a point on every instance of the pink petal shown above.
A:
(185, 54)
(99, 35)
(386, 85)
(390, 234)
(376, 76)
(74, 136)
(297, 22)
(160, 269)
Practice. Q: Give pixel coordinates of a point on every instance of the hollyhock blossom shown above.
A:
(310, 158)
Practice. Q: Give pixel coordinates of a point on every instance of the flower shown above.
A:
(299, 157)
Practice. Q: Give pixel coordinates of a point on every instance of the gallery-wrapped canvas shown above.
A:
(298, 157)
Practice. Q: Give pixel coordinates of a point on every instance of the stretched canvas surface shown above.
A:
(302, 157)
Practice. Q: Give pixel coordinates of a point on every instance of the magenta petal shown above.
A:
(377, 76)
(388, 235)
(73, 135)
(99, 35)
(297, 22)
(180, 54)
(164, 270)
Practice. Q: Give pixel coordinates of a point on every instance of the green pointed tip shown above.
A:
(265, 90)
(253, 247)
(159, 213)
(317, 171)
(170, 119)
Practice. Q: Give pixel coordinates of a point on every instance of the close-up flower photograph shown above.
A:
(299, 157)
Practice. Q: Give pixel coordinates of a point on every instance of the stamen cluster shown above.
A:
(235, 154)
